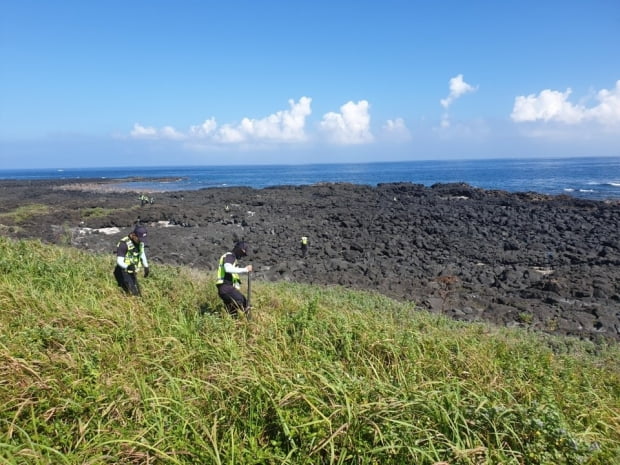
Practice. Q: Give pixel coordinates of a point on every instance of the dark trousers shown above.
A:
(128, 281)
(232, 298)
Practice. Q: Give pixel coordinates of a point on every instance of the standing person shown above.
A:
(228, 281)
(130, 257)
(304, 246)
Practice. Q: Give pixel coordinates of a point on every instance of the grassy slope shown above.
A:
(320, 375)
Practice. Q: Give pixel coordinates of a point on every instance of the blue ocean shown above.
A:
(589, 178)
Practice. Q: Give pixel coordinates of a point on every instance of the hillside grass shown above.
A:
(320, 375)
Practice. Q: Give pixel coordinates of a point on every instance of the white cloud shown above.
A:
(553, 106)
(282, 126)
(349, 127)
(206, 129)
(139, 131)
(607, 112)
(168, 132)
(396, 130)
(458, 87)
(149, 132)
(229, 135)
(549, 105)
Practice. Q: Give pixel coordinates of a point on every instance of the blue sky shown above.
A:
(157, 82)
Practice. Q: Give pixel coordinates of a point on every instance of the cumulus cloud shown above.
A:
(140, 132)
(228, 134)
(458, 87)
(282, 126)
(203, 130)
(607, 112)
(554, 106)
(548, 105)
(349, 127)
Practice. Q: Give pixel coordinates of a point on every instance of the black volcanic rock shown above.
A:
(551, 263)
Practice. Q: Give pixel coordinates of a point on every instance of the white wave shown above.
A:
(614, 184)
(586, 190)
(568, 189)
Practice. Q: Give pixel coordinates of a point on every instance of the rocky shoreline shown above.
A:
(549, 263)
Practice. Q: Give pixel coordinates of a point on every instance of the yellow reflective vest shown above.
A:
(132, 256)
(222, 275)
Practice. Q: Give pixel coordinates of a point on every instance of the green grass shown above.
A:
(25, 212)
(321, 375)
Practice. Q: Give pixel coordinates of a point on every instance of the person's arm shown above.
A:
(230, 268)
(120, 261)
(145, 263)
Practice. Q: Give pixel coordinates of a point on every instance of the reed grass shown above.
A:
(320, 375)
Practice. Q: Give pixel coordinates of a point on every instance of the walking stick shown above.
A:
(248, 312)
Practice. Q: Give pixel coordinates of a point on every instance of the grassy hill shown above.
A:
(319, 376)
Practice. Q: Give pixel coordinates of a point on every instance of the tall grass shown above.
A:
(320, 375)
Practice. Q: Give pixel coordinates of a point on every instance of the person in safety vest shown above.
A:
(304, 246)
(130, 257)
(228, 281)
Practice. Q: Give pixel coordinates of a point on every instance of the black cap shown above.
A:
(140, 231)
(241, 249)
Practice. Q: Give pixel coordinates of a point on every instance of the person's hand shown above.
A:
(146, 271)
(249, 268)
(131, 269)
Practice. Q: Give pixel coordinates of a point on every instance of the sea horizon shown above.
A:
(596, 178)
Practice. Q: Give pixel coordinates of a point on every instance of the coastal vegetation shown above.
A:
(25, 212)
(319, 375)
